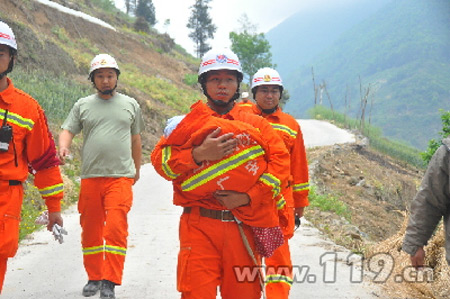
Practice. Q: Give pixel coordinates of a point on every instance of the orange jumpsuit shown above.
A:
(279, 265)
(211, 251)
(32, 150)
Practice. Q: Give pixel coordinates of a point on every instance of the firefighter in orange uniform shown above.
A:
(26, 144)
(212, 250)
(111, 123)
(267, 89)
(246, 104)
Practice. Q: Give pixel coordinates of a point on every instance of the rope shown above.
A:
(252, 255)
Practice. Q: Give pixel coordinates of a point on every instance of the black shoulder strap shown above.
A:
(5, 117)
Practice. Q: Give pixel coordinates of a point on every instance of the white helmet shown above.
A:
(266, 76)
(102, 61)
(244, 95)
(7, 36)
(222, 59)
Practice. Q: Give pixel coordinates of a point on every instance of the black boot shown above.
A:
(91, 288)
(107, 289)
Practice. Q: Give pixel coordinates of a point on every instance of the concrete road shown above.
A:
(46, 269)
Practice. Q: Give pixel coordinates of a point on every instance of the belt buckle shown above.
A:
(222, 214)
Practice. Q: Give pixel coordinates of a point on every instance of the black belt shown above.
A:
(14, 183)
(223, 215)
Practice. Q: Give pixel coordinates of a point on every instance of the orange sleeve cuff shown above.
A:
(53, 204)
(301, 200)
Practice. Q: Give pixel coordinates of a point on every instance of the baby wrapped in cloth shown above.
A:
(238, 171)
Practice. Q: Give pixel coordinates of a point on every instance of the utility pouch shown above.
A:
(5, 137)
(6, 134)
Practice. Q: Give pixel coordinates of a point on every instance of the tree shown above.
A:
(130, 6)
(246, 24)
(253, 51)
(433, 145)
(201, 25)
(146, 10)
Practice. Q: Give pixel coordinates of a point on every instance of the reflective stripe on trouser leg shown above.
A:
(104, 208)
(92, 218)
(118, 200)
(279, 273)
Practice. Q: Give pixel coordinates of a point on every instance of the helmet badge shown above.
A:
(267, 78)
(221, 58)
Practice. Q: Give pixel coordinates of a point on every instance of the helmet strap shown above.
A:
(106, 92)
(268, 111)
(10, 68)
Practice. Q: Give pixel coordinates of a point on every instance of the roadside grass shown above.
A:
(328, 203)
(395, 149)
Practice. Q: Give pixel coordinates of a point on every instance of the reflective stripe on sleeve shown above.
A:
(166, 153)
(301, 187)
(51, 190)
(281, 203)
(271, 181)
(222, 167)
(284, 128)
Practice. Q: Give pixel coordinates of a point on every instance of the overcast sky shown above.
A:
(266, 14)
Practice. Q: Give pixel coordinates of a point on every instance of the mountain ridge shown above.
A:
(401, 52)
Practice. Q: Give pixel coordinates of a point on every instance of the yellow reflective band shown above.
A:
(281, 203)
(284, 128)
(18, 120)
(51, 190)
(271, 181)
(222, 167)
(166, 153)
(93, 250)
(279, 278)
(300, 187)
(115, 250)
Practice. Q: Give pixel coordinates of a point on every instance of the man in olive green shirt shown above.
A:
(111, 124)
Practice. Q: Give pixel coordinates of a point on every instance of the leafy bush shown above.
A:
(434, 144)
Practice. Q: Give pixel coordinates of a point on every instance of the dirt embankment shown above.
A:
(377, 191)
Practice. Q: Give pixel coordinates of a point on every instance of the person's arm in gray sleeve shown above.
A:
(429, 205)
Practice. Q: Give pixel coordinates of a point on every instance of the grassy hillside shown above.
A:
(55, 50)
(402, 53)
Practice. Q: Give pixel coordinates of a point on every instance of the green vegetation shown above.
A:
(253, 51)
(57, 96)
(160, 89)
(434, 144)
(328, 203)
(395, 149)
(190, 79)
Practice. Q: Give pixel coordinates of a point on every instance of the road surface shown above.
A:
(45, 269)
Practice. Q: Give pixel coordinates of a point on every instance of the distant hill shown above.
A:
(304, 35)
(403, 52)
